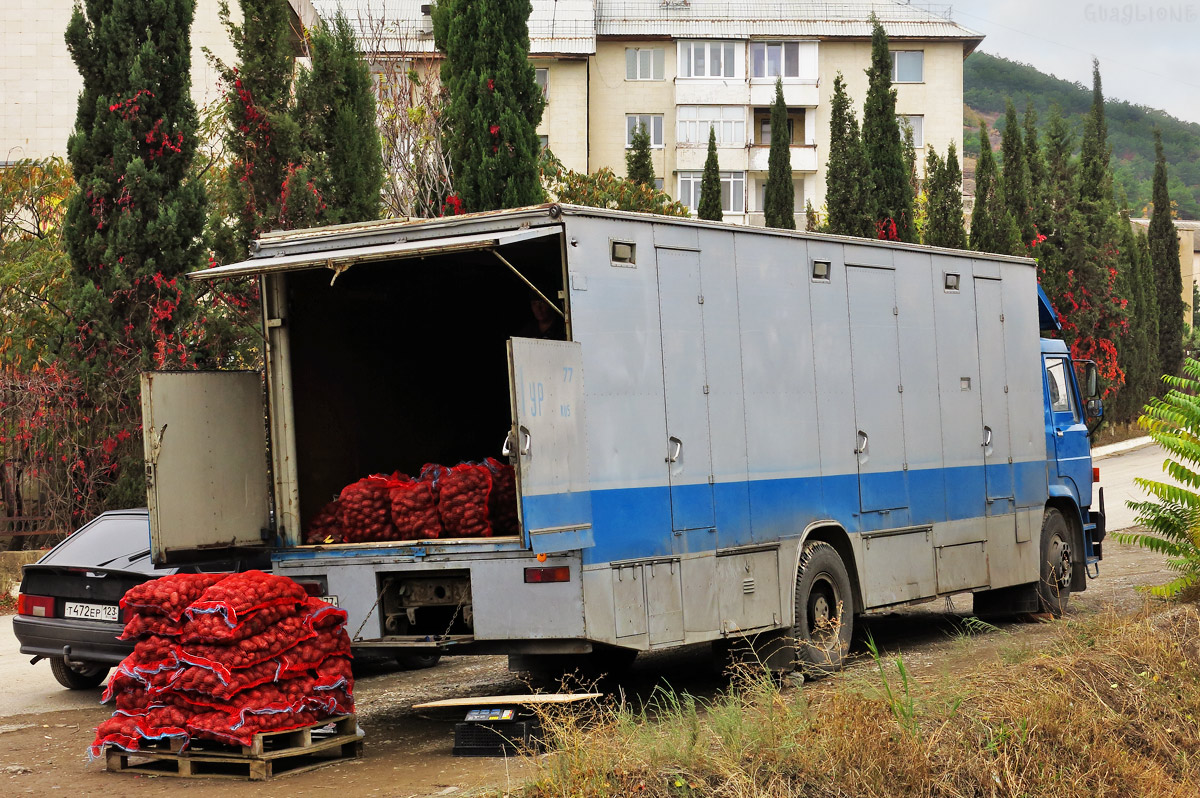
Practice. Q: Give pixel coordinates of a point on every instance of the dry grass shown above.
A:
(10, 568)
(1110, 708)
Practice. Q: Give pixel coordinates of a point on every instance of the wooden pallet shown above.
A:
(270, 754)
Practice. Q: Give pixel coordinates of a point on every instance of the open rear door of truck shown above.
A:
(207, 480)
(549, 441)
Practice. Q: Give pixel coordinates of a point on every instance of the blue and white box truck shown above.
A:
(738, 433)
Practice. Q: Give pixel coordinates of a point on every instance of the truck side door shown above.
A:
(993, 396)
(1071, 447)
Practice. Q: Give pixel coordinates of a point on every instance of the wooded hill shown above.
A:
(988, 80)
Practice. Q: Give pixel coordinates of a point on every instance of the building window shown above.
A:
(917, 123)
(733, 191)
(783, 60)
(644, 63)
(707, 60)
(658, 183)
(542, 77)
(908, 66)
(694, 122)
(797, 194)
(764, 131)
(543, 142)
(654, 126)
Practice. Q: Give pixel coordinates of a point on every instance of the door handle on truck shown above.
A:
(526, 441)
(506, 447)
(987, 436)
(672, 457)
(861, 443)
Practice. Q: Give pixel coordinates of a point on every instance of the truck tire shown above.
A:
(418, 660)
(824, 610)
(1054, 582)
(78, 677)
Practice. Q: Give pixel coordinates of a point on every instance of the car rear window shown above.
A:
(121, 542)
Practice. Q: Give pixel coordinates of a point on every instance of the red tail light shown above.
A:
(37, 606)
(1096, 474)
(560, 573)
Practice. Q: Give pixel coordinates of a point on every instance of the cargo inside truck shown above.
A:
(402, 363)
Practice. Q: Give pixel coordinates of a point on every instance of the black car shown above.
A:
(68, 612)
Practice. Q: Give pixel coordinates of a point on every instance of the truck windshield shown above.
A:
(1062, 398)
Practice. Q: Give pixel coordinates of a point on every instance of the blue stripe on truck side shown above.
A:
(629, 523)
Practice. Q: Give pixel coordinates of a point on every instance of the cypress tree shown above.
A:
(133, 227)
(846, 194)
(944, 183)
(1164, 257)
(335, 110)
(638, 166)
(891, 194)
(1015, 177)
(1139, 351)
(992, 226)
(261, 137)
(1059, 204)
(494, 102)
(710, 183)
(1094, 313)
(780, 203)
(1035, 166)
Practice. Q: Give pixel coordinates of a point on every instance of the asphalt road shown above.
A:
(1116, 477)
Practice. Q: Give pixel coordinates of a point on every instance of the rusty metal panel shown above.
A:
(206, 462)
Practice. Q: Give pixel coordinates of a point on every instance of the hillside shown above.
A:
(988, 80)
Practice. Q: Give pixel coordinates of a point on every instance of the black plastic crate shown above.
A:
(496, 738)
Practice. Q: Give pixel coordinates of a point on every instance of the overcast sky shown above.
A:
(1149, 51)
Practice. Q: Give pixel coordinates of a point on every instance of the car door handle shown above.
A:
(678, 444)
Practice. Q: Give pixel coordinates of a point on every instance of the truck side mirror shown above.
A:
(1092, 392)
(1095, 408)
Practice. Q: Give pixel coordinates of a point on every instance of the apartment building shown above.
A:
(683, 67)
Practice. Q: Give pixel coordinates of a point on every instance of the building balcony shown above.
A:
(804, 158)
(690, 158)
(705, 91)
(796, 94)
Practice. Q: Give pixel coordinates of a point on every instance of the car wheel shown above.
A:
(415, 661)
(824, 610)
(1054, 585)
(83, 676)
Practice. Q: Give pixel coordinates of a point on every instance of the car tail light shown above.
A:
(561, 573)
(37, 606)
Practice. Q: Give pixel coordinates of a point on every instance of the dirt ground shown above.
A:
(407, 753)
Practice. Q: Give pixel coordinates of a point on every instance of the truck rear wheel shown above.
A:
(418, 660)
(824, 610)
(1054, 584)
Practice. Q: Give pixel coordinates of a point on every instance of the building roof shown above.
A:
(570, 27)
(566, 27)
(752, 18)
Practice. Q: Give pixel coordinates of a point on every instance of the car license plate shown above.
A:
(331, 600)
(91, 612)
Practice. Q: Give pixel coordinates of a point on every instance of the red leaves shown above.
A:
(885, 230)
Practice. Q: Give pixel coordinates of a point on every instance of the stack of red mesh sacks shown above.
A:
(222, 657)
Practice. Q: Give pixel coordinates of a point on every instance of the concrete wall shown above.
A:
(612, 97)
(39, 84)
(565, 118)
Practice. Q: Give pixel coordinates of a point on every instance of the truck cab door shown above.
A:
(1071, 448)
(207, 479)
(549, 442)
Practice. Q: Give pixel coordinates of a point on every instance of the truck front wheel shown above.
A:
(1054, 584)
(824, 610)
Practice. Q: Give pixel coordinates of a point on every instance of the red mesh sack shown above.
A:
(414, 509)
(463, 493)
(211, 627)
(239, 594)
(312, 652)
(145, 623)
(502, 501)
(198, 679)
(366, 511)
(273, 641)
(333, 673)
(326, 525)
(154, 654)
(240, 730)
(169, 595)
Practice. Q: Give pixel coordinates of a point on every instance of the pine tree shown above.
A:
(133, 228)
(780, 202)
(992, 226)
(943, 180)
(638, 166)
(494, 103)
(335, 111)
(710, 183)
(891, 194)
(846, 195)
(1015, 175)
(261, 137)
(1164, 257)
